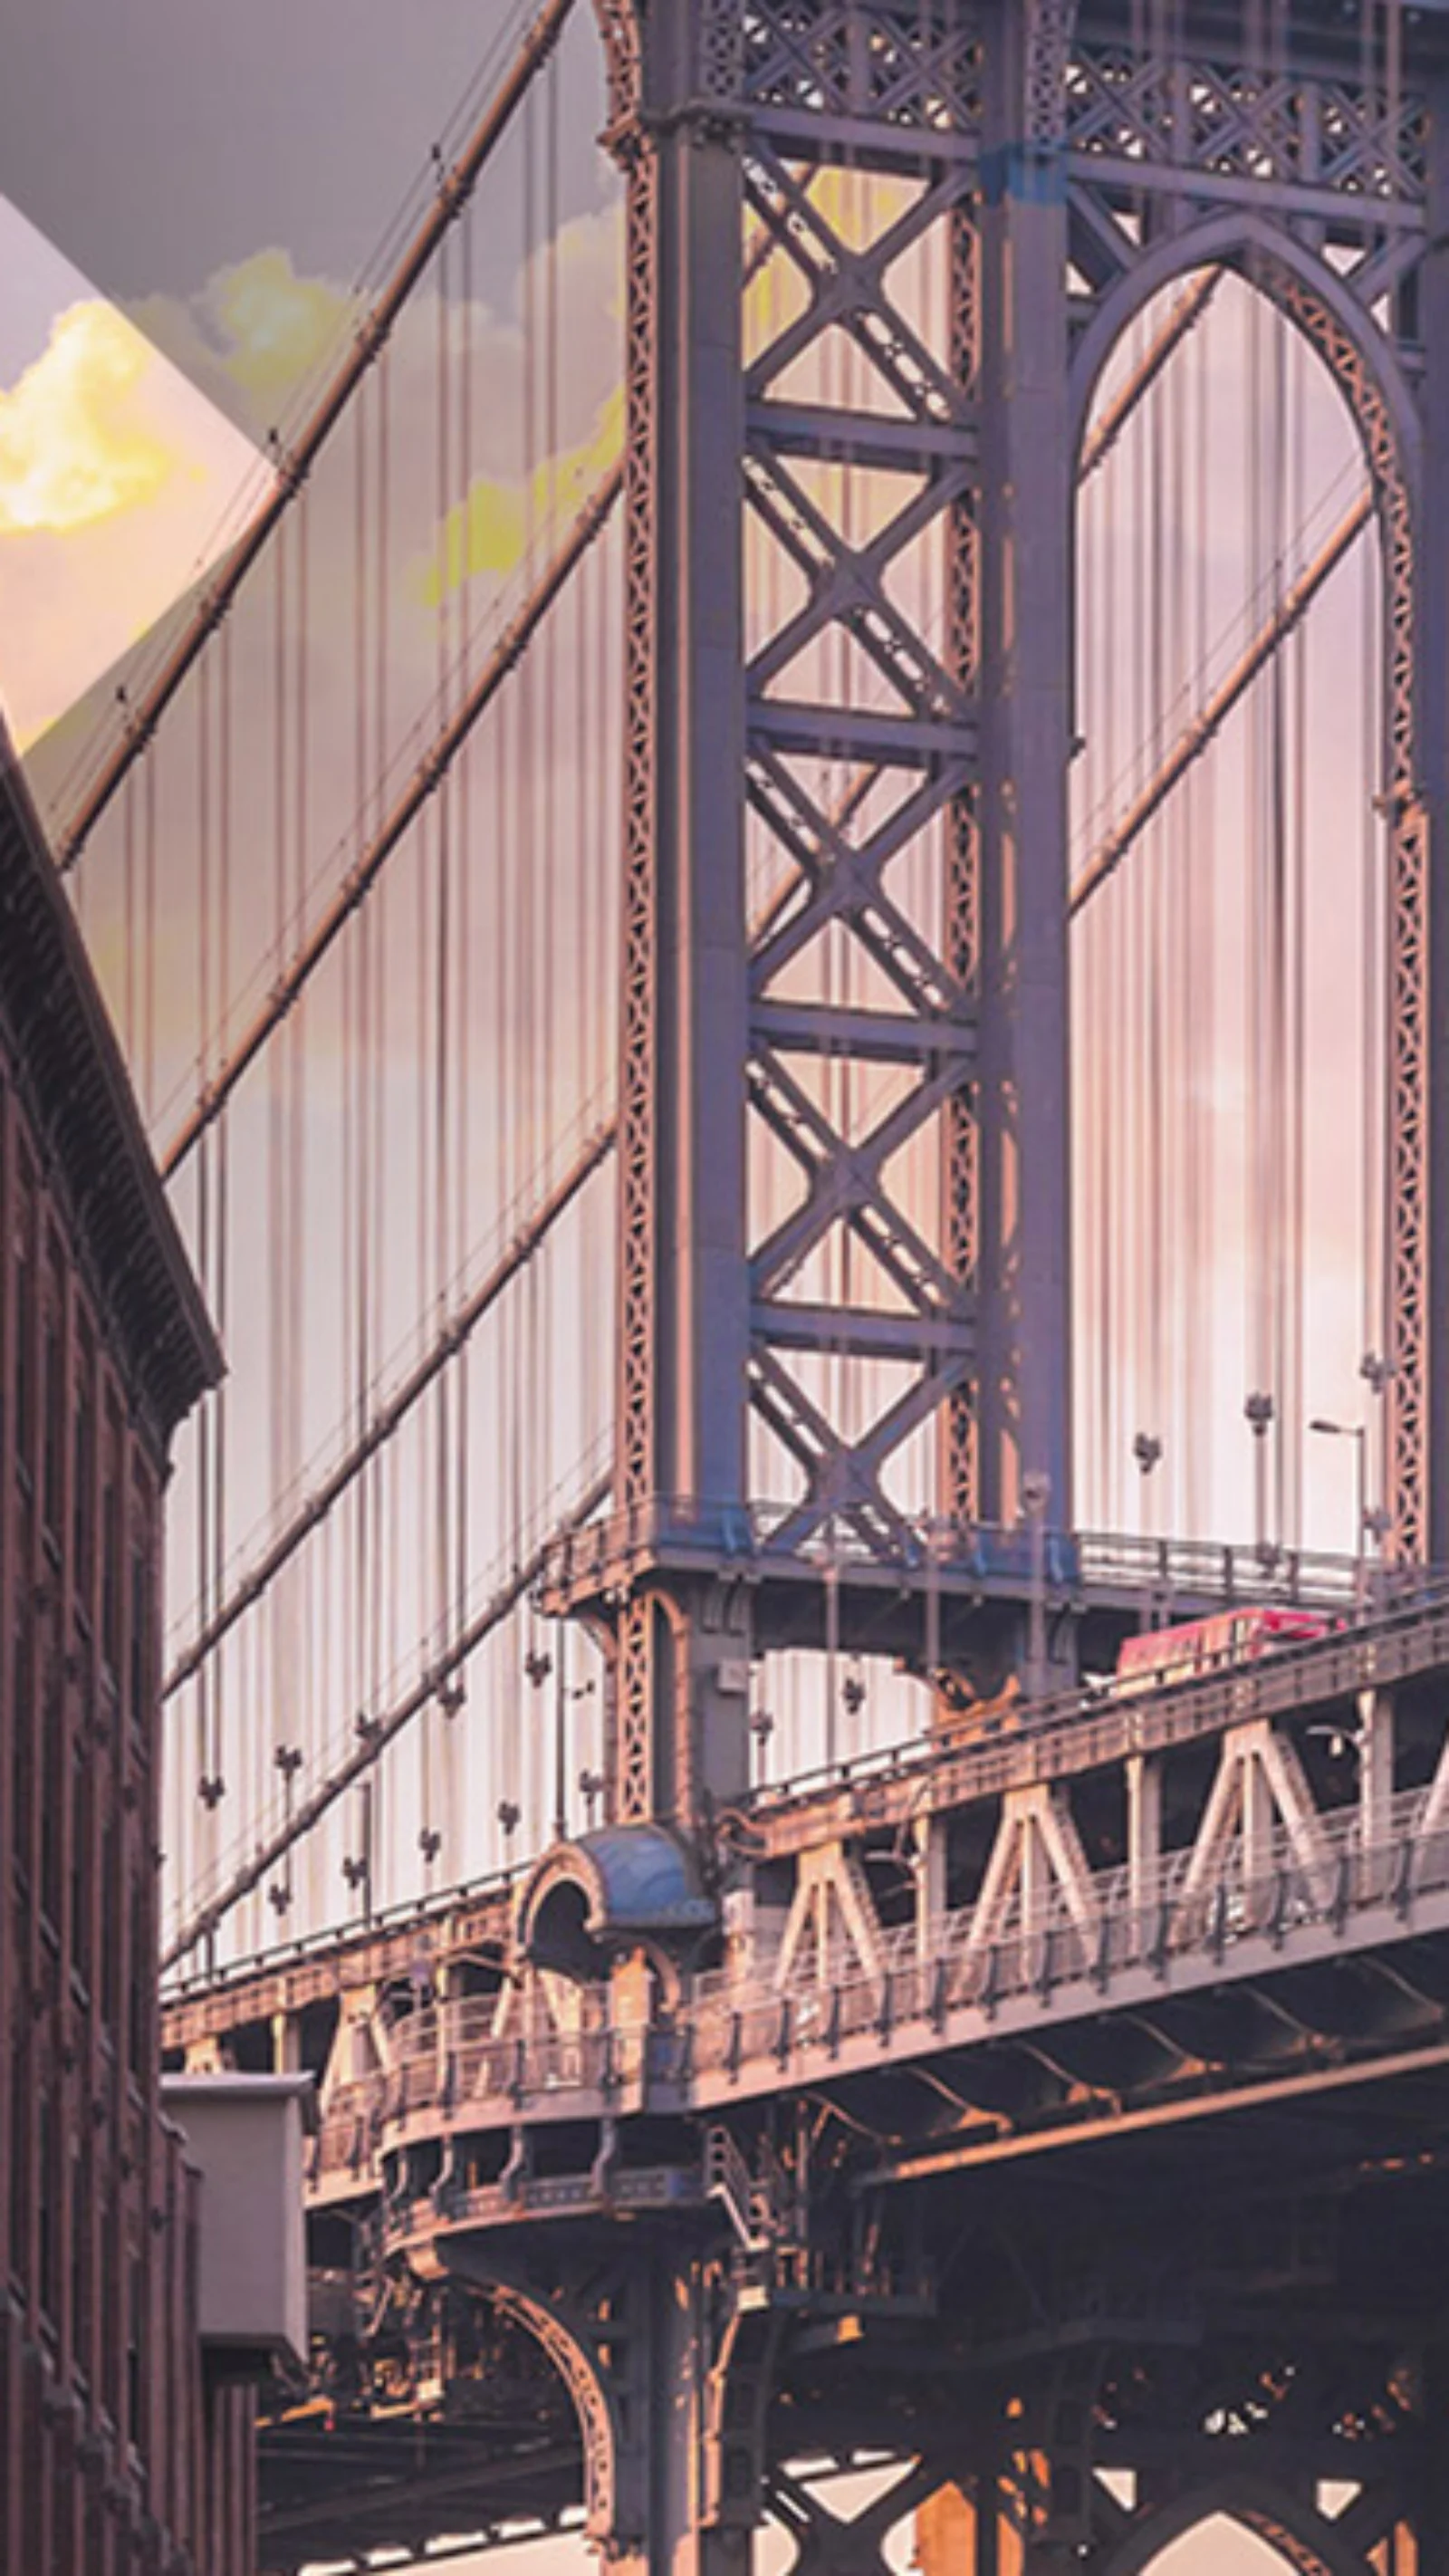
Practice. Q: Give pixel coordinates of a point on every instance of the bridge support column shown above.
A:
(1144, 1829)
(1419, 1287)
(966, 2530)
(683, 1286)
(670, 2429)
(1026, 522)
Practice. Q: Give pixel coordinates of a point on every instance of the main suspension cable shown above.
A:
(454, 188)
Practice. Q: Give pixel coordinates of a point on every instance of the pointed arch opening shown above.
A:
(1247, 897)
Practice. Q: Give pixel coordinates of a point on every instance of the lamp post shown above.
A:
(1036, 1494)
(1356, 1432)
(1258, 1413)
(1147, 1450)
(1377, 1374)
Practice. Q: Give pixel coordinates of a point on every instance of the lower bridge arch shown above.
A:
(612, 2511)
(1304, 2539)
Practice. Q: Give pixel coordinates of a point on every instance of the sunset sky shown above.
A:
(164, 295)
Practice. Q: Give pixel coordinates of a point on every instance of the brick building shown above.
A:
(123, 2452)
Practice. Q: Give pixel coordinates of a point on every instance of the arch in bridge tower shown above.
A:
(1358, 353)
(1301, 2536)
(1361, 357)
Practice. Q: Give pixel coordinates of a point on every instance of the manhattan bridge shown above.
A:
(820, 1109)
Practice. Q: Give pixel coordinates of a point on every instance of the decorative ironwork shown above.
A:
(908, 70)
(1049, 30)
(1230, 120)
(622, 38)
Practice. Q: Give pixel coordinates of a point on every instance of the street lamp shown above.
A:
(1036, 1493)
(1258, 1413)
(1147, 1450)
(1356, 1432)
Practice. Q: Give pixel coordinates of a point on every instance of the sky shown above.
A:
(172, 278)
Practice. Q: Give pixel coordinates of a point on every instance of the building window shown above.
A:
(112, 1505)
(80, 2254)
(53, 1799)
(111, 1921)
(24, 1258)
(135, 2337)
(52, 1479)
(46, 2211)
(111, 2282)
(138, 2017)
(22, 1748)
(82, 1812)
(83, 1497)
(140, 1690)
(19, 2158)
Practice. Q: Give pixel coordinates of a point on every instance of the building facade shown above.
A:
(120, 2449)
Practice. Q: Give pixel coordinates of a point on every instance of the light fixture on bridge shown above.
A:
(1356, 1432)
(1259, 1412)
(1036, 1494)
(1147, 1450)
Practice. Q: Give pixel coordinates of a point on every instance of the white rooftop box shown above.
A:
(245, 2133)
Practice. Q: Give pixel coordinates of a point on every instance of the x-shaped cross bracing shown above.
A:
(914, 756)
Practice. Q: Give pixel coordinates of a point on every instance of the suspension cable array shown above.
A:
(365, 809)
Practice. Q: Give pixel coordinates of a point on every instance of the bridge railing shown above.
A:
(452, 2067)
(1082, 1729)
(1009, 1556)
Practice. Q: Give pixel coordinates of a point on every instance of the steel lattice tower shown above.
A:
(1061, 182)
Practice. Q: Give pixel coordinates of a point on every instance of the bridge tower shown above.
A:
(845, 816)
(878, 254)
(877, 258)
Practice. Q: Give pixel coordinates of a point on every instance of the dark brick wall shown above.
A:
(114, 2455)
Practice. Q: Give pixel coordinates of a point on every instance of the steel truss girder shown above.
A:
(931, 438)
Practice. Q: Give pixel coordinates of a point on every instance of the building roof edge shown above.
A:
(81, 1093)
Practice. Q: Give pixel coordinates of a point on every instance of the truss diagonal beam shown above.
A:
(361, 877)
(847, 583)
(1186, 312)
(844, 882)
(1190, 745)
(380, 1733)
(846, 287)
(845, 1183)
(460, 1324)
(455, 187)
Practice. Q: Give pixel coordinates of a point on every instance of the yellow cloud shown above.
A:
(75, 443)
(488, 532)
(278, 325)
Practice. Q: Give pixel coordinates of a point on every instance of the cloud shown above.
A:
(78, 439)
(278, 325)
(489, 532)
(116, 481)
